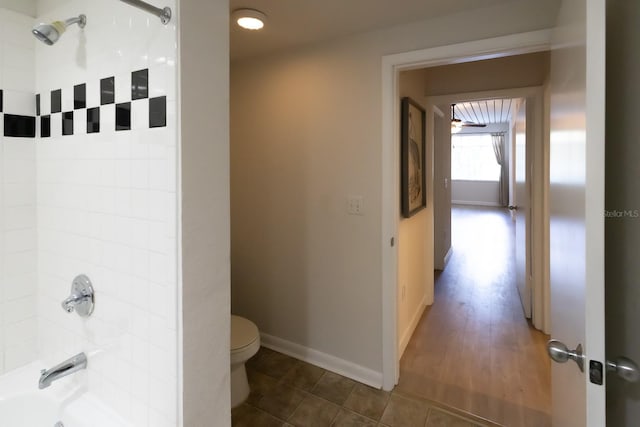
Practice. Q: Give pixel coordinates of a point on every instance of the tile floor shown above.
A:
(288, 392)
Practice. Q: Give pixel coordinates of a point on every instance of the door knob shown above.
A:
(625, 368)
(560, 353)
(513, 208)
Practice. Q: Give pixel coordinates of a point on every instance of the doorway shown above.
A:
(391, 355)
(468, 349)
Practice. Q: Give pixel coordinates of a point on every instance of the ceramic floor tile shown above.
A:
(314, 412)
(402, 412)
(272, 363)
(248, 416)
(290, 393)
(334, 387)
(259, 357)
(259, 385)
(303, 375)
(281, 401)
(347, 418)
(367, 401)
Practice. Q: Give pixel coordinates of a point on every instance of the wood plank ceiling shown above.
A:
(487, 111)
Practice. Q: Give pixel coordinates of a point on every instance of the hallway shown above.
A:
(473, 349)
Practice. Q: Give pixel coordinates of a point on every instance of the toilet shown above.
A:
(245, 342)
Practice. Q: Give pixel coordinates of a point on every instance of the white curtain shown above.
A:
(498, 148)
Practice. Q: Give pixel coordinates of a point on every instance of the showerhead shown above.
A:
(50, 33)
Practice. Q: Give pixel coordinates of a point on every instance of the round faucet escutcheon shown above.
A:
(82, 299)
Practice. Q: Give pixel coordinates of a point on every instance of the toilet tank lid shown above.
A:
(243, 332)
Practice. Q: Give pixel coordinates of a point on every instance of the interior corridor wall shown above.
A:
(415, 234)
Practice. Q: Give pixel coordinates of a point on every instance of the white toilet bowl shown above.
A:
(245, 342)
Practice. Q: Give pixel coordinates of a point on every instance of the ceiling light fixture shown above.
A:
(249, 19)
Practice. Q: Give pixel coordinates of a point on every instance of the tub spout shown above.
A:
(69, 366)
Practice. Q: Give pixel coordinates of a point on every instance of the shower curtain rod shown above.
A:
(164, 14)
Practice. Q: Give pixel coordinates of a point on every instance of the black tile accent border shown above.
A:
(123, 116)
(80, 96)
(93, 120)
(19, 126)
(56, 101)
(67, 123)
(158, 112)
(140, 84)
(45, 126)
(107, 90)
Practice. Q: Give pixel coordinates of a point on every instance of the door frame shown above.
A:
(392, 65)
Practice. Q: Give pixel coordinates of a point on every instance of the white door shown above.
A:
(576, 201)
(521, 209)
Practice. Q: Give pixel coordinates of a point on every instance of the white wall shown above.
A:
(500, 73)
(477, 193)
(204, 163)
(107, 208)
(18, 256)
(306, 133)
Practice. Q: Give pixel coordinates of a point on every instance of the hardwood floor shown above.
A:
(473, 349)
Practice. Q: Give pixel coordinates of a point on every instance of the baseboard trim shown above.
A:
(406, 336)
(441, 263)
(331, 363)
(475, 203)
(447, 256)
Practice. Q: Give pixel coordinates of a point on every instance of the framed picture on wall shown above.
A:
(412, 152)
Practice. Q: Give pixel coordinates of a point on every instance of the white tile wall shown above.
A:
(18, 265)
(100, 204)
(106, 208)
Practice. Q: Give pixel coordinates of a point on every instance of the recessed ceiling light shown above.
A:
(249, 19)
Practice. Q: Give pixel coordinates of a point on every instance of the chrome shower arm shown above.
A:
(80, 20)
(164, 14)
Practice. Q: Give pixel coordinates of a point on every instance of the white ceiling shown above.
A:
(293, 23)
(487, 112)
(28, 7)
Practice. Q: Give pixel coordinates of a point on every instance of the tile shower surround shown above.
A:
(103, 181)
(25, 126)
(18, 237)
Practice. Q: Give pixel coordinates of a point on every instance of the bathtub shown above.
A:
(22, 404)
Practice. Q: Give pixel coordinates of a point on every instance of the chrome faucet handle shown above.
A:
(70, 303)
(81, 299)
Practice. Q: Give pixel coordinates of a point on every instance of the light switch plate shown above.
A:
(355, 205)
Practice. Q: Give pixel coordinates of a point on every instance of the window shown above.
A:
(473, 159)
